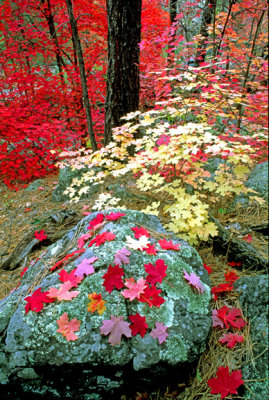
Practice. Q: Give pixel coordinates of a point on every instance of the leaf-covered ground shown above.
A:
(24, 211)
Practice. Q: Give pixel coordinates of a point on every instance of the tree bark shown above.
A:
(172, 10)
(207, 17)
(82, 72)
(124, 34)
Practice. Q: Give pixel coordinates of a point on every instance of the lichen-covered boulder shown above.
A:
(38, 359)
(254, 301)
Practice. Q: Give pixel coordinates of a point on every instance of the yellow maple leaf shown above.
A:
(96, 304)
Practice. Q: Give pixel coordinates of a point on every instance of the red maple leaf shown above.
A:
(231, 339)
(234, 264)
(225, 383)
(36, 300)
(64, 276)
(168, 245)
(113, 278)
(208, 268)
(222, 287)
(96, 222)
(139, 325)
(140, 232)
(102, 238)
(151, 296)
(231, 276)
(64, 260)
(156, 273)
(40, 235)
(151, 249)
(68, 328)
(231, 316)
(114, 216)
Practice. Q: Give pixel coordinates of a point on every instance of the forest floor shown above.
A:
(23, 211)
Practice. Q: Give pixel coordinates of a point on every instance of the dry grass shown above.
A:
(18, 212)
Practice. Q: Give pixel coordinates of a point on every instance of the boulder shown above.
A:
(254, 301)
(35, 185)
(39, 362)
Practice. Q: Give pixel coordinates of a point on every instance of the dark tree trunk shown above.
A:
(172, 10)
(124, 34)
(83, 78)
(207, 18)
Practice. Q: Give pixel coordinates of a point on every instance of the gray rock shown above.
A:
(35, 185)
(254, 301)
(66, 176)
(30, 341)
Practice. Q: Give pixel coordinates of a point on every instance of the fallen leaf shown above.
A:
(159, 332)
(96, 304)
(113, 278)
(63, 292)
(165, 245)
(135, 289)
(114, 216)
(102, 238)
(67, 328)
(156, 272)
(225, 383)
(231, 317)
(151, 296)
(116, 327)
(64, 276)
(36, 300)
(231, 339)
(121, 256)
(138, 232)
(139, 244)
(194, 281)
(85, 267)
(40, 235)
(139, 325)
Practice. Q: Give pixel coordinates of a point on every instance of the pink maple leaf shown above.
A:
(135, 289)
(121, 256)
(231, 339)
(83, 239)
(216, 321)
(117, 327)
(63, 292)
(194, 281)
(159, 332)
(85, 267)
(67, 328)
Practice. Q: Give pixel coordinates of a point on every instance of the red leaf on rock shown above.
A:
(231, 316)
(168, 245)
(135, 289)
(151, 249)
(225, 383)
(64, 260)
(102, 238)
(85, 267)
(231, 339)
(140, 232)
(83, 239)
(116, 327)
(113, 278)
(151, 296)
(139, 325)
(114, 216)
(40, 235)
(64, 276)
(156, 273)
(96, 222)
(36, 300)
(159, 332)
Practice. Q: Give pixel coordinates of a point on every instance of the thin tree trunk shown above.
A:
(83, 78)
(124, 34)
(207, 17)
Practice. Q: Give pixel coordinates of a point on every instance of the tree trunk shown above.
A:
(207, 17)
(83, 78)
(172, 10)
(124, 34)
